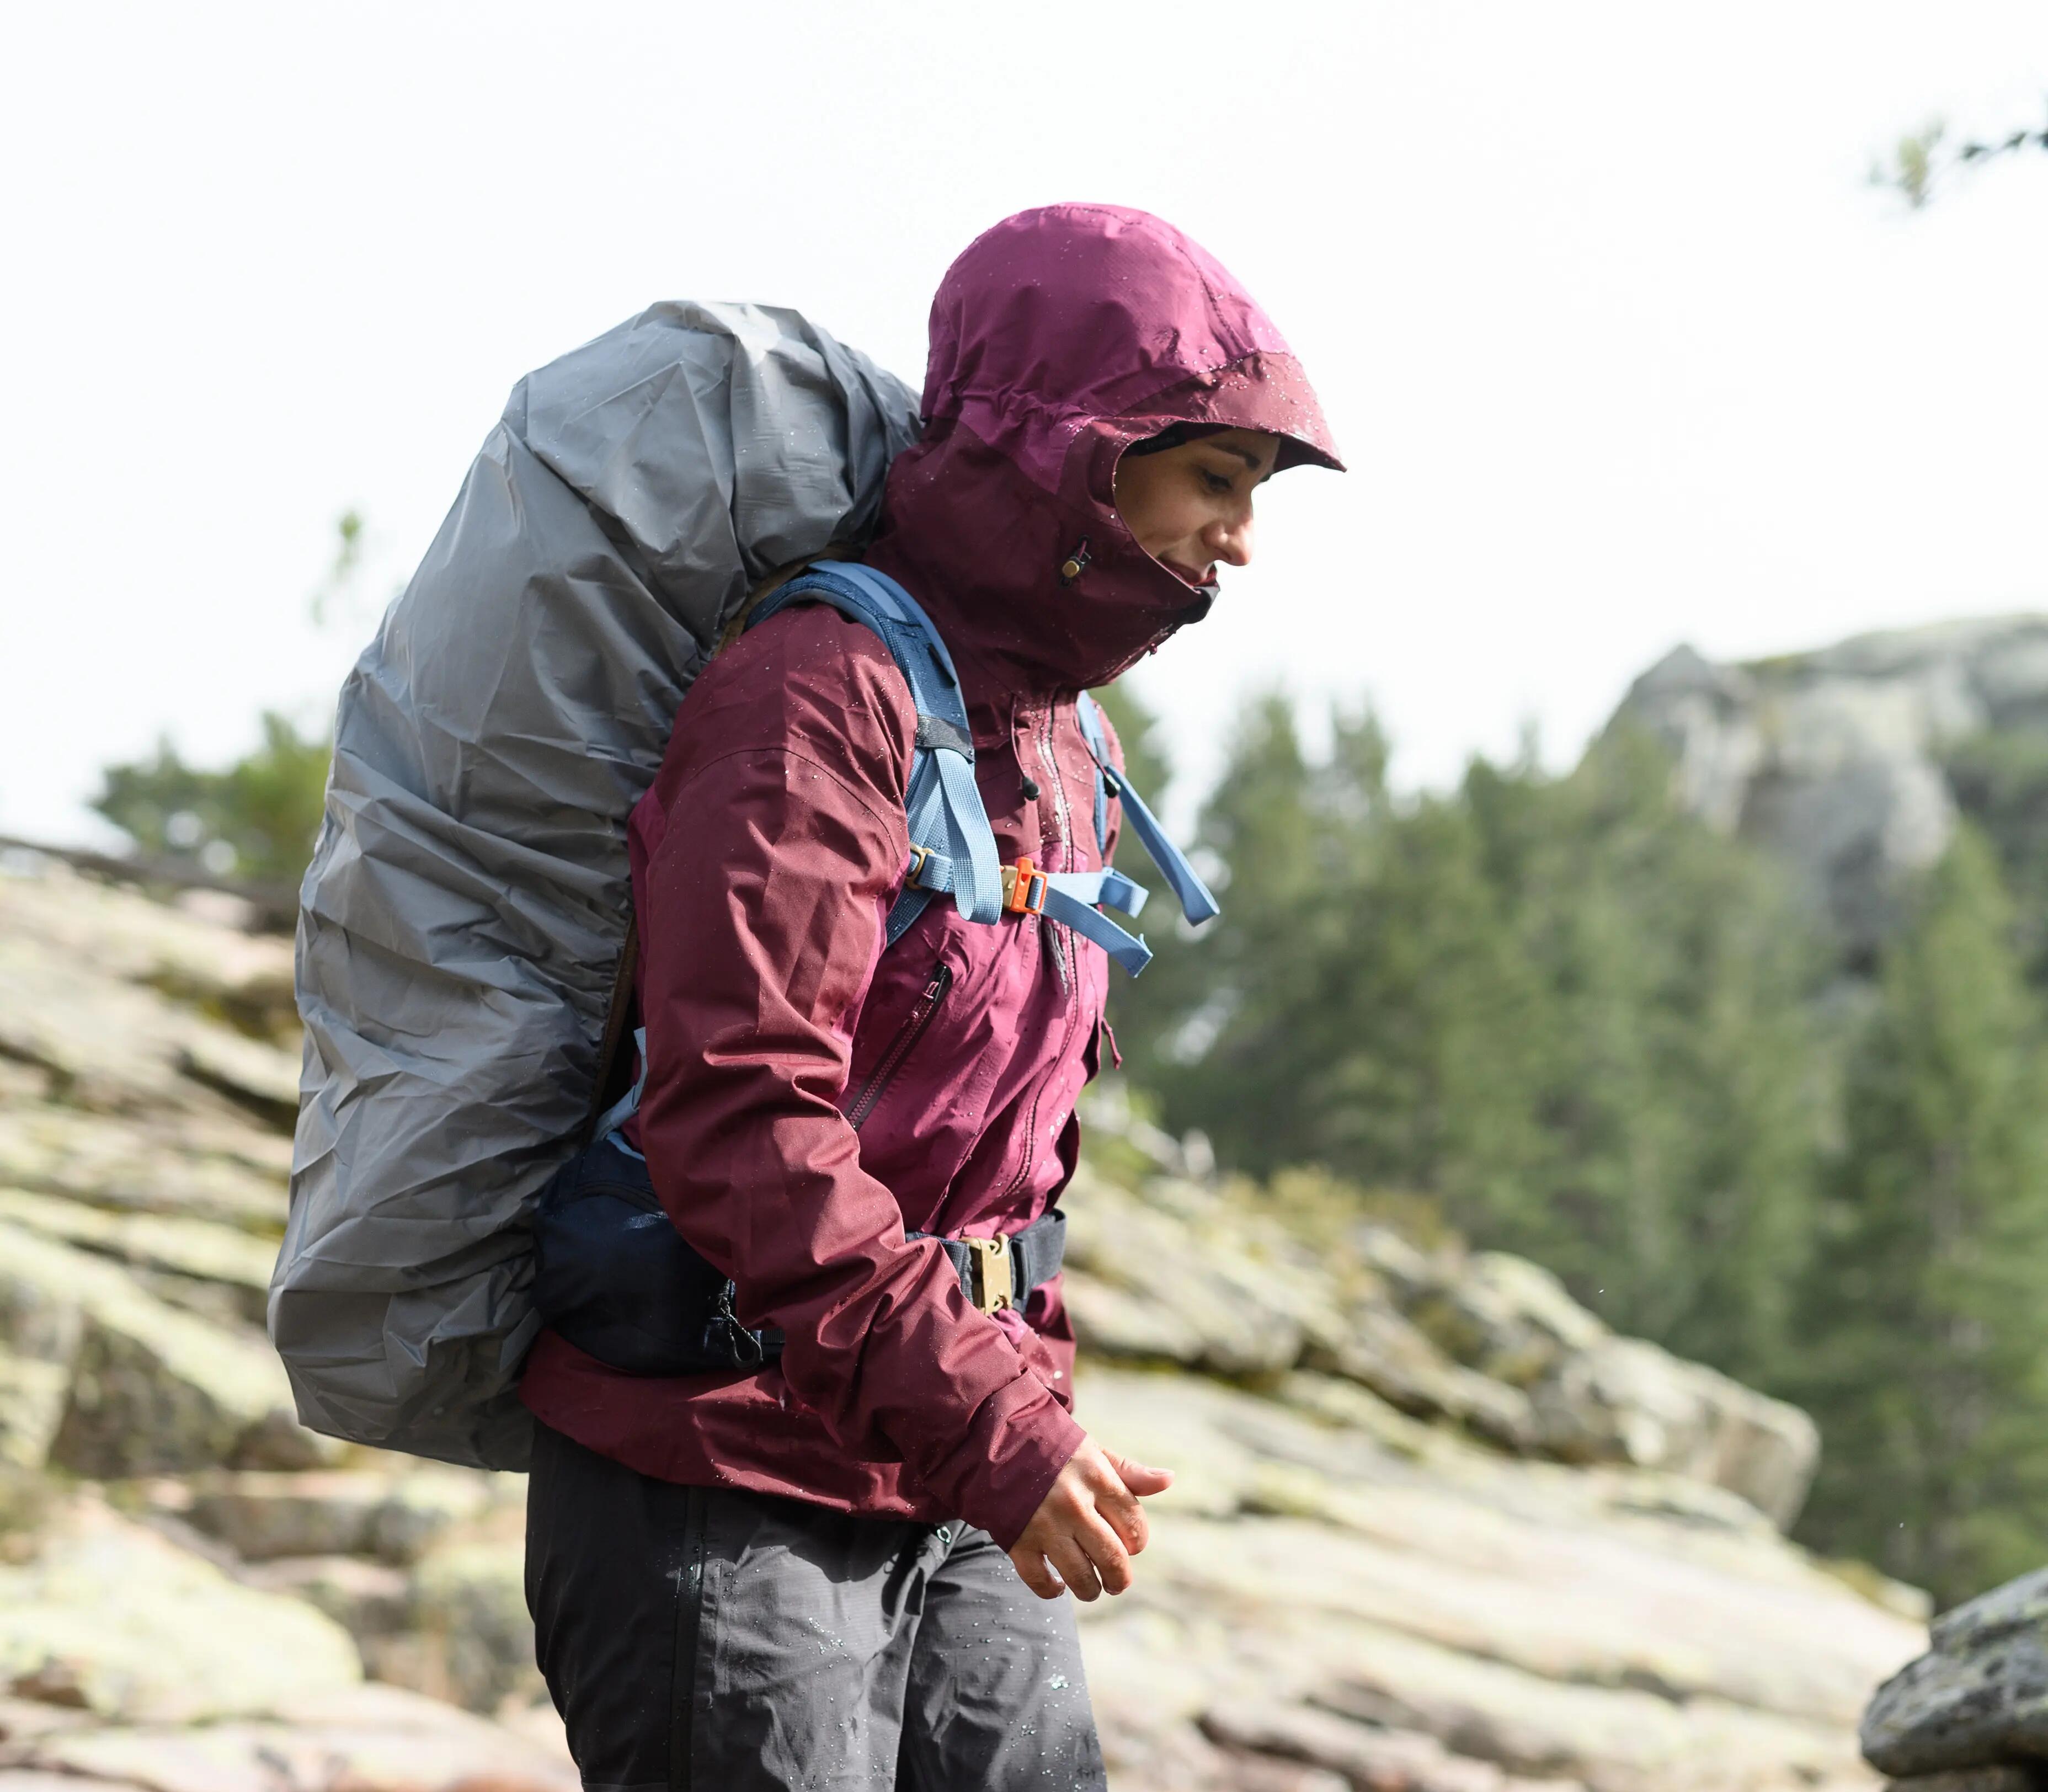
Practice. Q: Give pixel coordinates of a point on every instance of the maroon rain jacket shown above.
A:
(810, 1097)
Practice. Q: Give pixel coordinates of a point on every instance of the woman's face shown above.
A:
(1190, 507)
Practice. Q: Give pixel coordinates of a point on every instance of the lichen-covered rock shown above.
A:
(356, 1739)
(1506, 1317)
(1585, 1625)
(206, 1167)
(1625, 1400)
(152, 1389)
(369, 1600)
(1361, 1755)
(393, 1517)
(1172, 1272)
(110, 1618)
(470, 1638)
(1179, 1292)
(1978, 1697)
(1385, 1351)
(189, 1250)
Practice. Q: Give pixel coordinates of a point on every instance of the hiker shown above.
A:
(808, 1573)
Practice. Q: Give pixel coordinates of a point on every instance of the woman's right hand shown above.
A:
(1088, 1526)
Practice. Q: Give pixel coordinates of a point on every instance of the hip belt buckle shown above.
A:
(995, 1287)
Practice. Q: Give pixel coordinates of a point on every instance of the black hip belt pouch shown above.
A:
(618, 1281)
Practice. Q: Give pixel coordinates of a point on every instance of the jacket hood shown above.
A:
(1058, 339)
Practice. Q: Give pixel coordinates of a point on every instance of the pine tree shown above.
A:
(1679, 1103)
(1927, 1358)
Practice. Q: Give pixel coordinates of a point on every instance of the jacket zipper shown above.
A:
(912, 1030)
(1062, 826)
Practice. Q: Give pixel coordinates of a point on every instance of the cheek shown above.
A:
(1163, 519)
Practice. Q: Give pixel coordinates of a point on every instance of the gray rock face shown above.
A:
(1832, 758)
(1979, 1697)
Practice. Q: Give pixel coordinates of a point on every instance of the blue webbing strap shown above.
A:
(1196, 903)
(943, 807)
(1070, 897)
(1090, 718)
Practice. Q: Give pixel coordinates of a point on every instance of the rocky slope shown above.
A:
(1435, 1528)
(1834, 758)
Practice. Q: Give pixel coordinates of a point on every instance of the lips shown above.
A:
(1202, 581)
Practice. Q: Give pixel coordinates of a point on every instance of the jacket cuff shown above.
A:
(1020, 1441)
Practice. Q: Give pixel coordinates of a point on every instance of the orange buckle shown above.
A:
(1023, 889)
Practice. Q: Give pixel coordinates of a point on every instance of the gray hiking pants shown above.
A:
(703, 1638)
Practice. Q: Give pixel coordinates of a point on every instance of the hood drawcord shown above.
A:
(1076, 563)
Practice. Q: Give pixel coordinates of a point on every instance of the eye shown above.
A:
(1218, 482)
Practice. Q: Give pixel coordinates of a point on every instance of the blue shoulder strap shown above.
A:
(952, 848)
(1196, 903)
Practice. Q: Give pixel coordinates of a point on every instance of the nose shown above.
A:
(1229, 538)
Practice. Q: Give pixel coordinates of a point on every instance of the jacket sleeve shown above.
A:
(773, 848)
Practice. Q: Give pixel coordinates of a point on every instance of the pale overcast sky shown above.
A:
(1623, 349)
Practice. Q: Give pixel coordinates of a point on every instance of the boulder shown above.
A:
(152, 1389)
(1185, 1291)
(1113, 1323)
(471, 1639)
(179, 1247)
(1978, 1698)
(1506, 1317)
(1393, 1760)
(33, 1394)
(262, 1076)
(111, 1619)
(1623, 1400)
(357, 1738)
(1382, 1350)
(224, 1170)
(165, 947)
(392, 1516)
(369, 1600)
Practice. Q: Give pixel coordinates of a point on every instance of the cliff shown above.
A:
(1837, 759)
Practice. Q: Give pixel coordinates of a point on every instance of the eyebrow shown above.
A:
(1254, 461)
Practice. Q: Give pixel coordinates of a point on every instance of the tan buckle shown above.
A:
(995, 1287)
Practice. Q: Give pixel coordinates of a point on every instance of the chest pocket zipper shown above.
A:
(912, 1030)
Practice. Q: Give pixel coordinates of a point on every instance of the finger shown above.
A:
(1119, 1505)
(1141, 1479)
(1105, 1552)
(1032, 1571)
(1070, 1561)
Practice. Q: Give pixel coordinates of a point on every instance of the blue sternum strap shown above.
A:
(1070, 899)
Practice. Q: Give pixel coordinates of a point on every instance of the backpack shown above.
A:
(462, 957)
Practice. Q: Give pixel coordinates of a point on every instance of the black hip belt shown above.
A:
(618, 1281)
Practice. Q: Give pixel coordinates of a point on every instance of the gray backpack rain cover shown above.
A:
(462, 923)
